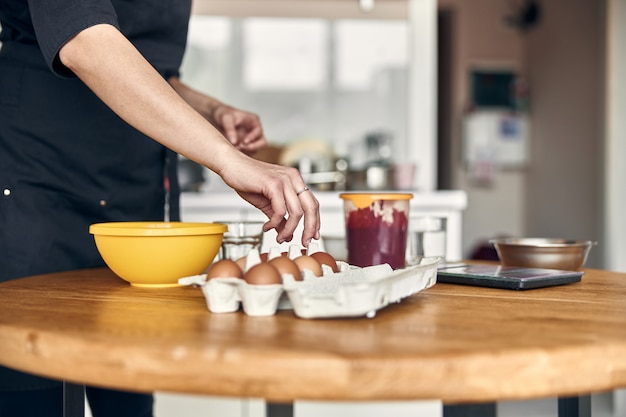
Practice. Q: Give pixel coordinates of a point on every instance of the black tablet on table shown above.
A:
(507, 277)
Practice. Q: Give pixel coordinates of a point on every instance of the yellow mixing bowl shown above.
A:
(157, 254)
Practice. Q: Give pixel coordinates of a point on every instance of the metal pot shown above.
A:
(374, 177)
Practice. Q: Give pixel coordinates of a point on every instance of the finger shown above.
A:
(250, 136)
(253, 135)
(251, 148)
(295, 210)
(269, 225)
(229, 128)
(276, 217)
(292, 221)
(312, 221)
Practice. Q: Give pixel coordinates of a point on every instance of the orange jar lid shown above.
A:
(362, 200)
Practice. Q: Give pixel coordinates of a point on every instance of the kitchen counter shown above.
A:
(226, 205)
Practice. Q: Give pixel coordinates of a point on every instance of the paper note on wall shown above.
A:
(500, 134)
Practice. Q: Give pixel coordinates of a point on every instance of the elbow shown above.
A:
(78, 53)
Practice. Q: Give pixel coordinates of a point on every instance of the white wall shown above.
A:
(615, 152)
(422, 109)
(565, 54)
(332, 9)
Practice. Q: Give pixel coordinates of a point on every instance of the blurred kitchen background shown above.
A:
(515, 102)
(329, 81)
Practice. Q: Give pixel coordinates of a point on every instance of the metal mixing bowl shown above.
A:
(569, 255)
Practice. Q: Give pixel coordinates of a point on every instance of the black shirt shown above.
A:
(66, 160)
(158, 28)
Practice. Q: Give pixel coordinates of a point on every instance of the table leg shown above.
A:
(73, 400)
(279, 410)
(470, 410)
(579, 406)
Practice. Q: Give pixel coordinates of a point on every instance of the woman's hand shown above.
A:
(275, 190)
(279, 192)
(243, 129)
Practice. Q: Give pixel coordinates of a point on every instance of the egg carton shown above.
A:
(228, 294)
(351, 292)
(358, 292)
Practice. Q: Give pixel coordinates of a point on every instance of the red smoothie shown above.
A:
(377, 235)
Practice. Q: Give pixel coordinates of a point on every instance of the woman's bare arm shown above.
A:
(243, 129)
(115, 71)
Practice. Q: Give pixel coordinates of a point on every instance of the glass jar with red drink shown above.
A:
(376, 228)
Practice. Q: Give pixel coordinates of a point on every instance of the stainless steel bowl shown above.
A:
(569, 255)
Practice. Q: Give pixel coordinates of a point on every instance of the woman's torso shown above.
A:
(66, 160)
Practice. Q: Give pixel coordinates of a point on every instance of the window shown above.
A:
(336, 80)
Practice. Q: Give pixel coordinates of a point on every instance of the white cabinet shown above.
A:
(168, 405)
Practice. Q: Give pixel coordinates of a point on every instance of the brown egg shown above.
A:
(224, 268)
(324, 258)
(263, 256)
(306, 262)
(284, 265)
(263, 274)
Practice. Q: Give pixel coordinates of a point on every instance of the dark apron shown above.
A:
(66, 161)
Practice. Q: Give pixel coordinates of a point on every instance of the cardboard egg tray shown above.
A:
(351, 292)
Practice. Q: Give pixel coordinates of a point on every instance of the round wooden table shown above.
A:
(450, 342)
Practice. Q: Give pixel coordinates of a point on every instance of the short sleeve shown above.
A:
(57, 21)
